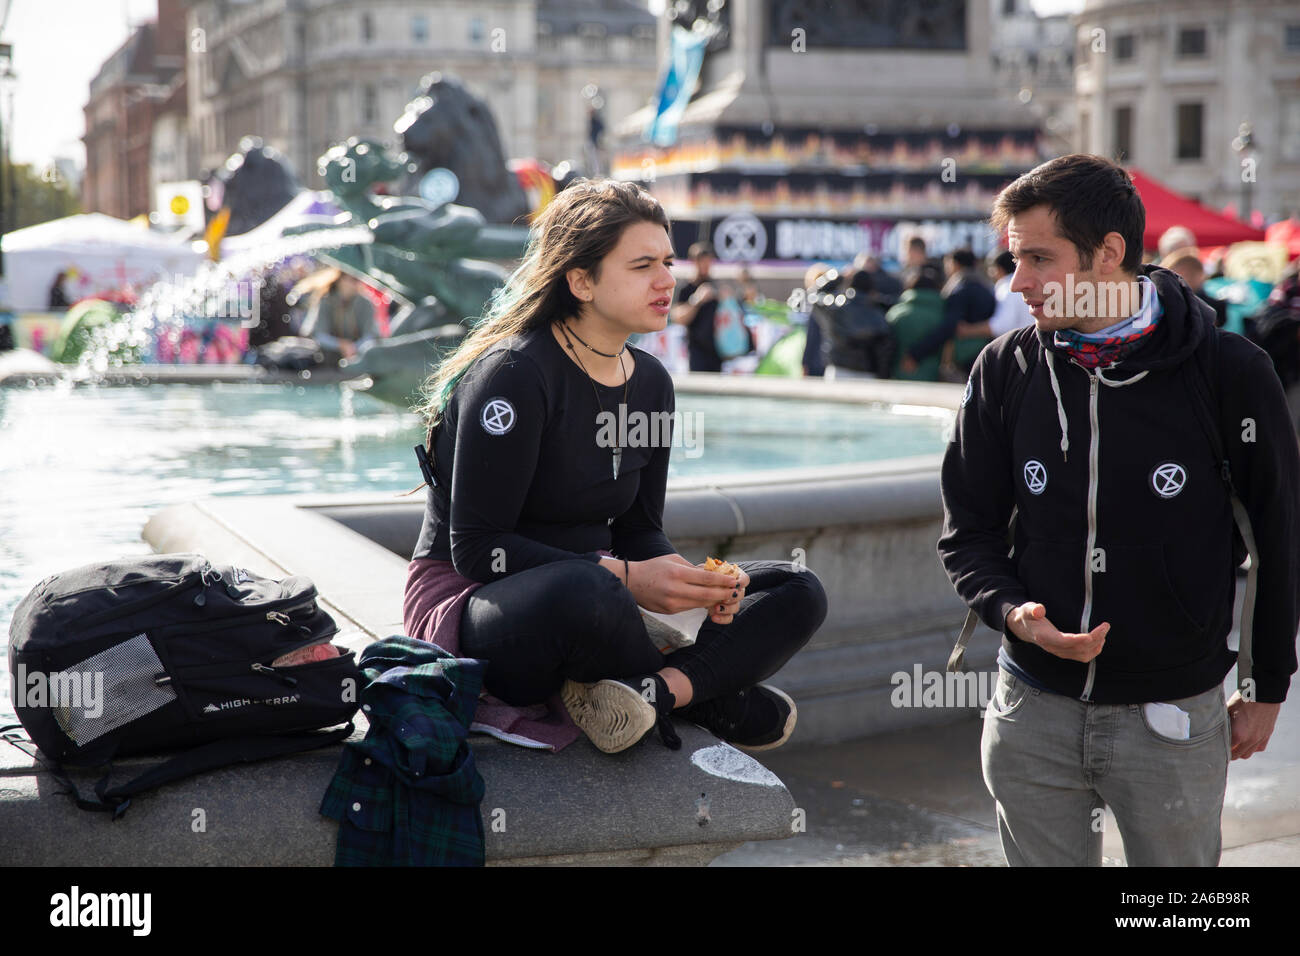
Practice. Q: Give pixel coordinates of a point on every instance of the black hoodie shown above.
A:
(1123, 516)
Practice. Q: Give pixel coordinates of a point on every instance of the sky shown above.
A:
(59, 46)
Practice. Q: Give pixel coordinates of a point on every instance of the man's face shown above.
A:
(702, 264)
(1044, 257)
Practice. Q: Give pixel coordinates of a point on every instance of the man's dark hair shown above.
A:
(1005, 261)
(916, 242)
(1089, 196)
(964, 258)
(700, 249)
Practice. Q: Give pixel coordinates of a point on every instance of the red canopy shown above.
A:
(1166, 208)
(1286, 233)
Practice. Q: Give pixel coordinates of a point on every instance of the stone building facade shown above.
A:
(304, 74)
(1167, 86)
(140, 82)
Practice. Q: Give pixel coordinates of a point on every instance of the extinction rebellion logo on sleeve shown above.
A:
(497, 417)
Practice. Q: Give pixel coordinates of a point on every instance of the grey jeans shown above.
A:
(1053, 763)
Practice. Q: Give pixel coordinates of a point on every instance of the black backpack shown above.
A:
(166, 652)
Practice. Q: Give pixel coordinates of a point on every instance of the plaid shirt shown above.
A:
(409, 793)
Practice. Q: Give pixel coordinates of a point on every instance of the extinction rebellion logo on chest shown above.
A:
(1168, 479)
(1035, 475)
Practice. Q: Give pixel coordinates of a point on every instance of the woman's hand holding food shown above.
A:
(723, 612)
(670, 584)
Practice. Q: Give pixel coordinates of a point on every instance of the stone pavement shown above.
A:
(917, 798)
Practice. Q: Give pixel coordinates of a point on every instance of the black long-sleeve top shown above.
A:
(523, 478)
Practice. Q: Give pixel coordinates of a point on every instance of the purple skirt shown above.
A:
(435, 599)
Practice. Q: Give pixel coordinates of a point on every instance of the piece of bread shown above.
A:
(722, 567)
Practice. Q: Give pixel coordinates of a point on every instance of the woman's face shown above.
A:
(635, 289)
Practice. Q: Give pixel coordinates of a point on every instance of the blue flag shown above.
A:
(685, 57)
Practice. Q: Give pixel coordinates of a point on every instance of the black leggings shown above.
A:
(573, 620)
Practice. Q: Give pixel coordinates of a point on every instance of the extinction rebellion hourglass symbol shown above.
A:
(498, 416)
(1035, 476)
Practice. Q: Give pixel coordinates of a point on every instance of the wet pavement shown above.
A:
(917, 798)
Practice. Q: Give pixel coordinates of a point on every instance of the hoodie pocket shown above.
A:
(1155, 624)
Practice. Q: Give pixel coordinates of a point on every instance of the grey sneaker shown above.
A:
(615, 714)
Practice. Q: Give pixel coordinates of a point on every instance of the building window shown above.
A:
(594, 40)
(476, 31)
(1191, 41)
(1124, 46)
(1008, 8)
(1085, 122)
(1291, 38)
(545, 37)
(1123, 139)
(369, 104)
(643, 41)
(420, 28)
(1190, 120)
(367, 27)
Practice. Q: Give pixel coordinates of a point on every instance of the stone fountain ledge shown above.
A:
(867, 530)
(21, 367)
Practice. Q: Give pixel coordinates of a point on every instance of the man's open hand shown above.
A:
(1252, 725)
(1029, 623)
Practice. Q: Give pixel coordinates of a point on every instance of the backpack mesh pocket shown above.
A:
(109, 690)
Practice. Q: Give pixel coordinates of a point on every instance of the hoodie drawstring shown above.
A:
(1060, 407)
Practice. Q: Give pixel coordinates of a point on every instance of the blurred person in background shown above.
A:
(1173, 238)
(697, 303)
(59, 298)
(1187, 263)
(886, 287)
(814, 359)
(340, 318)
(967, 300)
(858, 341)
(919, 313)
(1011, 312)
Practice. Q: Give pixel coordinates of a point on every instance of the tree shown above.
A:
(40, 197)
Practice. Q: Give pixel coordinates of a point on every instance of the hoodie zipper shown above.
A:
(1094, 445)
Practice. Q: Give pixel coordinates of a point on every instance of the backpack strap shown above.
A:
(1202, 377)
(1017, 377)
(211, 756)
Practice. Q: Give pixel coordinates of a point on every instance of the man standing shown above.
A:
(1111, 428)
(697, 303)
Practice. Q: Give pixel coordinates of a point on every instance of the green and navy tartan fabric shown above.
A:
(409, 793)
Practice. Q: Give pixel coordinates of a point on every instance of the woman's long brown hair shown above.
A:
(579, 227)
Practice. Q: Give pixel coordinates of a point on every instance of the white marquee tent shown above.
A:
(105, 253)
